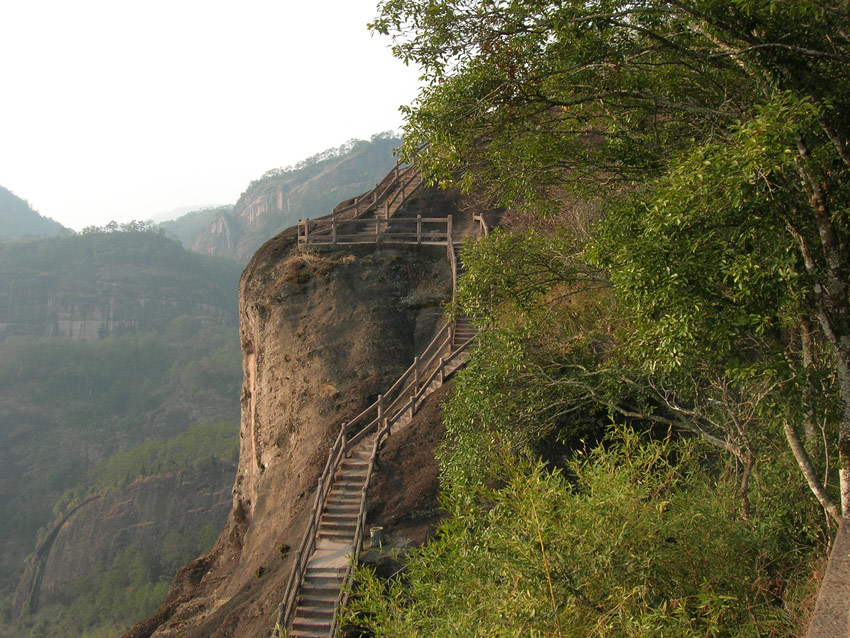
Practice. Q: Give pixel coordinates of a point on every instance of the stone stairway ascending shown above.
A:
(319, 595)
(314, 599)
(323, 579)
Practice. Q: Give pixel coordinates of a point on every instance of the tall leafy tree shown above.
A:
(724, 124)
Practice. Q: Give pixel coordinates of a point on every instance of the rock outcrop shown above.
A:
(322, 335)
(280, 198)
(144, 513)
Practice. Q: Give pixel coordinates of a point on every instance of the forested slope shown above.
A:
(119, 378)
(654, 434)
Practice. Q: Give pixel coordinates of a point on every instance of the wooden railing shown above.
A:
(482, 224)
(395, 230)
(438, 361)
(387, 196)
(384, 200)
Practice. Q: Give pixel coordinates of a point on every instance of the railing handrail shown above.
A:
(332, 231)
(485, 228)
(386, 193)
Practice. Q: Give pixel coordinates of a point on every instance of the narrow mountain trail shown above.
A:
(317, 589)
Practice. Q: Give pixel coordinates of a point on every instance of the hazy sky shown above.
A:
(119, 109)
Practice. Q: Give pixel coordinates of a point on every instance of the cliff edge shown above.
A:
(322, 333)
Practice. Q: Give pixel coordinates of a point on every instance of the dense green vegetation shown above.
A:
(653, 437)
(151, 389)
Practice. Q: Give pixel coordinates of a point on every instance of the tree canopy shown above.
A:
(692, 156)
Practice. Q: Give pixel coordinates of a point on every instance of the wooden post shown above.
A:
(333, 230)
(442, 371)
(415, 371)
(449, 230)
(380, 407)
(415, 386)
(418, 229)
(307, 231)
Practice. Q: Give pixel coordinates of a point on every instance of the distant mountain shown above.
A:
(18, 219)
(176, 213)
(101, 283)
(120, 370)
(188, 227)
(281, 197)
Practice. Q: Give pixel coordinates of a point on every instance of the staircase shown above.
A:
(318, 602)
(317, 588)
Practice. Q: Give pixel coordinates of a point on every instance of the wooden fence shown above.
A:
(395, 230)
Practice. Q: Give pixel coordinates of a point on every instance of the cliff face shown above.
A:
(322, 334)
(280, 198)
(145, 513)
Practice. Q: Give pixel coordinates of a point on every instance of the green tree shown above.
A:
(681, 108)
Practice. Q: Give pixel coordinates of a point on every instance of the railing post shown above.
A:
(449, 230)
(415, 386)
(418, 229)
(442, 371)
(307, 231)
(333, 230)
(380, 407)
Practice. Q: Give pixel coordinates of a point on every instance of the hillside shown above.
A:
(113, 345)
(283, 196)
(105, 283)
(19, 220)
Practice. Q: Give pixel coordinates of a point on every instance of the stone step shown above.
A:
(317, 578)
(341, 517)
(319, 590)
(333, 526)
(343, 499)
(345, 490)
(350, 476)
(316, 613)
(317, 627)
(318, 601)
(336, 536)
(343, 507)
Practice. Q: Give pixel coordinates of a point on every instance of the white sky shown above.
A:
(123, 109)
